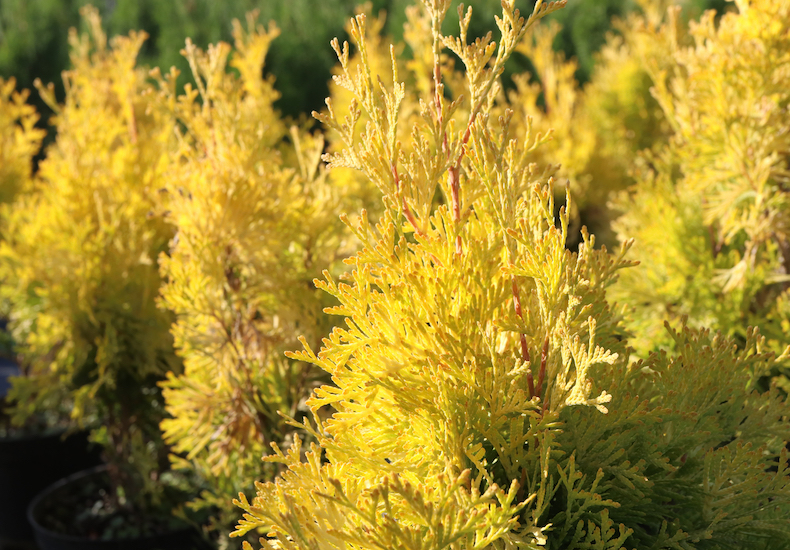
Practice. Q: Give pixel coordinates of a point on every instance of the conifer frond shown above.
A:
(80, 258)
(256, 224)
(479, 353)
(716, 234)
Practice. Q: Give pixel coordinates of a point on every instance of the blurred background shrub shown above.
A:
(33, 34)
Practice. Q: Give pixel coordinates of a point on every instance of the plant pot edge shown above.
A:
(44, 535)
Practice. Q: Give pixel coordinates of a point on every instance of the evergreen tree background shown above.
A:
(33, 35)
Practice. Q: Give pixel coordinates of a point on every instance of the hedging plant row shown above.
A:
(460, 371)
(33, 33)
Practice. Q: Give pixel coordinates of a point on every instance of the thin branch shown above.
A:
(544, 357)
(406, 210)
(524, 349)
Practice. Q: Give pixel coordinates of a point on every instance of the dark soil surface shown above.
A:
(87, 510)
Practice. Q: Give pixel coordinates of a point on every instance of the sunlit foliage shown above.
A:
(80, 262)
(482, 394)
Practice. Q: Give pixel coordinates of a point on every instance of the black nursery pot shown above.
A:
(183, 537)
(28, 463)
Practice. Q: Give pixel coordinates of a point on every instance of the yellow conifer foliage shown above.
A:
(482, 395)
(596, 130)
(712, 215)
(80, 259)
(256, 221)
(20, 140)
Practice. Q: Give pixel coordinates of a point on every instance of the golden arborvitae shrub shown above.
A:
(482, 394)
(256, 222)
(618, 103)
(379, 59)
(553, 103)
(79, 262)
(20, 140)
(711, 212)
(596, 129)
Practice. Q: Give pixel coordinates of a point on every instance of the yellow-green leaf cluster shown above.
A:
(711, 214)
(597, 129)
(482, 394)
(80, 258)
(256, 221)
(20, 140)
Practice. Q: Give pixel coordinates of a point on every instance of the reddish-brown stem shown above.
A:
(524, 349)
(516, 297)
(410, 216)
(454, 179)
(395, 176)
(455, 190)
(464, 141)
(458, 245)
(523, 338)
(406, 210)
(467, 134)
(437, 80)
(517, 306)
(530, 384)
(544, 356)
(453, 172)
(523, 482)
(455, 182)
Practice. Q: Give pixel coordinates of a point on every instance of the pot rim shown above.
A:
(47, 491)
